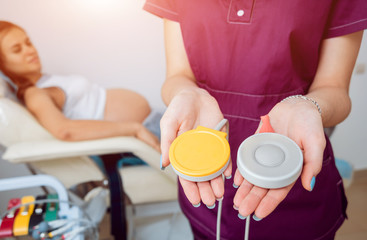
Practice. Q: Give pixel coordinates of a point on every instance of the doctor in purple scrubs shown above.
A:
(238, 59)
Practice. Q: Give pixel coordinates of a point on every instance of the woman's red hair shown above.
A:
(21, 82)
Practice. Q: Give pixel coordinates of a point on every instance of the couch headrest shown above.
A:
(17, 124)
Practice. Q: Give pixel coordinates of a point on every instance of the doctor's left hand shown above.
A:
(299, 120)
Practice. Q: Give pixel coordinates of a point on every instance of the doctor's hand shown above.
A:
(299, 120)
(187, 110)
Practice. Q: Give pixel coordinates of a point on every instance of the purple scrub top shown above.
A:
(250, 55)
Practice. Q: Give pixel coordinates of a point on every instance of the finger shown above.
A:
(252, 200)
(206, 194)
(313, 155)
(228, 172)
(185, 126)
(238, 179)
(217, 185)
(242, 192)
(271, 200)
(191, 191)
(169, 128)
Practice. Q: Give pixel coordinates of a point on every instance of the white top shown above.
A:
(84, 99)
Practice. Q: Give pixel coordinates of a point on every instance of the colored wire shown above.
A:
(90, 224)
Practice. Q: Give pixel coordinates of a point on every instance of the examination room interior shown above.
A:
(115, 43)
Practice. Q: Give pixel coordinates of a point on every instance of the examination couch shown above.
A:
(26, 141)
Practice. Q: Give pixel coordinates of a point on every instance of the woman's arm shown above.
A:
(188, 107)
(300, 120)
(331, 85)
(179, 76)
(41, 105)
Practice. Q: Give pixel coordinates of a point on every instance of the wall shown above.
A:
(350, 137)
(112, 42)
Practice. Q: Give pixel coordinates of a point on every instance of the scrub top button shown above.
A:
(240, 13)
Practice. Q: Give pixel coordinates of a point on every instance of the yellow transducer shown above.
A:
(200, 154)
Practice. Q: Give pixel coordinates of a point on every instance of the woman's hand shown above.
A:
(187, 110)
(299, 120)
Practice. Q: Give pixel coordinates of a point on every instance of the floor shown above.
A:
(355, 228)
(175, 226)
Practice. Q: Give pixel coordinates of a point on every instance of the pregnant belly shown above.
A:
(125, 105)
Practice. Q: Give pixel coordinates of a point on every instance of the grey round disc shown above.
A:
(269, 160)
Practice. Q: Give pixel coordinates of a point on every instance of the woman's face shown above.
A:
(19, 55)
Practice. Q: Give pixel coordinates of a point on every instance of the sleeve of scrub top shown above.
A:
(346, 16)
(162, 8)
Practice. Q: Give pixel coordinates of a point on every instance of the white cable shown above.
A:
(61, 230)
(70, 235)
(219, 127)
(221, 124)
(247, 228)
(88, 221)
(55, 223)
(219, 213)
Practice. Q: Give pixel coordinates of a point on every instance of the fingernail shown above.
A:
(229, 177)
(235, 208)
(196, 205)
(162, 168)
(235, 186)
(241, 217)
(256, 218)
(211, 207)
(313, 181)
(220, 199)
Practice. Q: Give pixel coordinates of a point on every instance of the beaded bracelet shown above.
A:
(304, 98)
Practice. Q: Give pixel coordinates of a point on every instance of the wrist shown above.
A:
(193, 92)
(303, 98)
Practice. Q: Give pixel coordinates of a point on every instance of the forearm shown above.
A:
(334, 102)
(331, 84)
(78, 130)
(176, 84)
(179, 76)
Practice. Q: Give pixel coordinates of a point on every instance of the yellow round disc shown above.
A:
(200, 153)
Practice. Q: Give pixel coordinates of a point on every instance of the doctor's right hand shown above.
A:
(187, 110)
